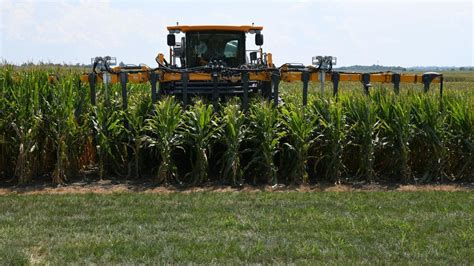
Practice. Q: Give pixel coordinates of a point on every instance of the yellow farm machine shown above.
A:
(214, 62)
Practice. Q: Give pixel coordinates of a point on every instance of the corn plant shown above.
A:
(164, 136)
(51, 130)
(27, 145)
(25, 119)
(107, 126)
(331, 133)
(460, 135)
(362, 129)
(233, 132)
(134, 125)
(62, 130)
(265, 135)
(200, 131)
(395, 132)
(299, 124)
(428, 138)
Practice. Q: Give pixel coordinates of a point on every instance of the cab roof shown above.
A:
(186, 28)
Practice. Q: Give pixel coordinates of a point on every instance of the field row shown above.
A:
(52, 131)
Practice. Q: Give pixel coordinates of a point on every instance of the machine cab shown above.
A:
(203, 45)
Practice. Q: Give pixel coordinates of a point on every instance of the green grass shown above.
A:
(371, 227)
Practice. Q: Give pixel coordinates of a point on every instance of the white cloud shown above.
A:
(357, 32)
(98, 24)
(17, 17)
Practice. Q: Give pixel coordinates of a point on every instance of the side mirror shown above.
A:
(253, 56)
(258, 39)
(171, 40)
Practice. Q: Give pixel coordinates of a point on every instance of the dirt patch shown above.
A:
(111, 186)
(435, 188)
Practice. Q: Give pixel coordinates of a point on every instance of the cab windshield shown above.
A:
(202, 47)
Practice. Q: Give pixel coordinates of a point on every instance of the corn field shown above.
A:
(52, 132)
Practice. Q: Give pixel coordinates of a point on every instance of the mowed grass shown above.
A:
(329, 227)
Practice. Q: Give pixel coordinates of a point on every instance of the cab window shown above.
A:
(230, 49)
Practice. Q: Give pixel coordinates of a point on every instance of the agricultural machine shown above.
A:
(213, 61)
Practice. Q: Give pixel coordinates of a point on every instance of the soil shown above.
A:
(141, 186)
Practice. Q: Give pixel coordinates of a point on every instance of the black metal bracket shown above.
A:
(441, 81)
(245, 97)
(123, 82)
(366, 82)
(335, 82)
(92, 82)
(396, 82)
(184, 80)
(305, 79)
(275, 83)
(215, 94)
(153, 80)
(427, 78)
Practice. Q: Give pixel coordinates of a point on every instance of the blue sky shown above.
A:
(405, 33)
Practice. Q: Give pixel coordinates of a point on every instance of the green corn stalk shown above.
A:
(27, 145)
(299, 124)
(331, 132)
(107, 124)
(265, 135)
(134, 126)
(5, 118)
(62, 129)
(460, 138)
(429, 137)
(363, 124)
(395, 133)
(25, 120)
(163, 135)
(233, 131)
(44, 130)
(200, 131)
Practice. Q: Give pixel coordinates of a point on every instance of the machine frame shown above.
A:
(258, 75)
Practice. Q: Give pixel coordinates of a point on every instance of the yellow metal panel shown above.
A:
(350, 77)
(286, 76)
(114, 78)
(160, 58)
(315, 77)
(290, 76)
(85, 78)
(378, 78)
(260, 76)
(167, 77)
(200, 76)
(243, 28)
(408, 78)
(170, 77)
(269, 60)
(138, 77)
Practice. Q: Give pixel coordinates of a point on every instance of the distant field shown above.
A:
(459, 76)
(287, 227)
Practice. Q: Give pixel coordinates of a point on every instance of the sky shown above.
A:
(393, 33)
